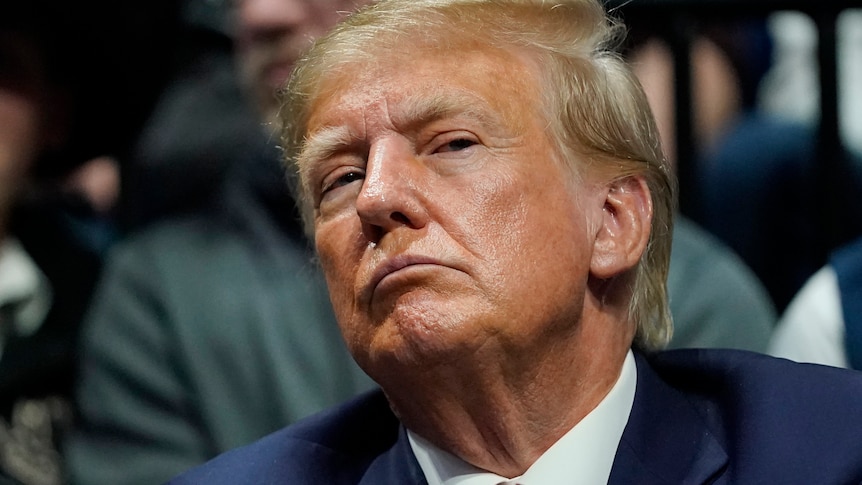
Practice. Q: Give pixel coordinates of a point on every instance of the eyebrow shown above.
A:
(325, 142)
(321, 145)
(411, 114)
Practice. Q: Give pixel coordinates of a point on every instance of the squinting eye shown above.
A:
(456, 145)
(343, 180)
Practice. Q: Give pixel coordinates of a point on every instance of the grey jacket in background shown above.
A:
(206, 334)
(715, 299)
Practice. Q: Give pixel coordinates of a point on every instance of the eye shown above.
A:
(342, 179)
(456, 145)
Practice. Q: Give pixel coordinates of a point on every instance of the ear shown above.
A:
(625, 228)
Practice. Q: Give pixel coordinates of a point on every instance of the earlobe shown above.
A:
(625, 228)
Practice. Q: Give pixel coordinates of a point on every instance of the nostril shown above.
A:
(399, 217)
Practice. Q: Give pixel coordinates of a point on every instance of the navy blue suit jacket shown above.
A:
(699, 416)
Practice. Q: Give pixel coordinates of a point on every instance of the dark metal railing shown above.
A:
(681, 16)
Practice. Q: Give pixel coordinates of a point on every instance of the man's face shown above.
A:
(271, 35)
(444, 224)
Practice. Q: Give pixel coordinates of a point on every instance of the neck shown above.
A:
(502, 416)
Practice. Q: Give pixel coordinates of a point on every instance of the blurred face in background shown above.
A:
(22, 87)
(272, 34)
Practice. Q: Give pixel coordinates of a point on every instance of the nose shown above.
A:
(261, 20)
(391, 196)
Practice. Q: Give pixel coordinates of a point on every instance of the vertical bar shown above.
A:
(830, 153)
(682, 34)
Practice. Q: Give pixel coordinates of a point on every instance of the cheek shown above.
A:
(537, 229)
(512, 209)
(330, 246)
(339, 251)
(492, 226)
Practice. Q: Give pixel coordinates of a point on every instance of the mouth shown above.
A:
(396, 266)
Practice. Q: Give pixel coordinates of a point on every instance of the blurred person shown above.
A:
(492, 212)
(212, 328)
(822, 323)
(177, 167)
(753, 188)
(271, 35)
(715, 298)
(791, 89)
(51, 239)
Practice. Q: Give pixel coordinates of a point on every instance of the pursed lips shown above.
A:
(394, 265)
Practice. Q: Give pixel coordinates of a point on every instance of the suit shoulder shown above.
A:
(751, 372)
(335, 446)
(770, 408)
(357, 426)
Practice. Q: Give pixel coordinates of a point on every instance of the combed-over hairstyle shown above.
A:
(599, 118)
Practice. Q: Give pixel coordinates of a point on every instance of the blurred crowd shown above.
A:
(159, 301)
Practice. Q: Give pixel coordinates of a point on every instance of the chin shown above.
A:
(411, 341)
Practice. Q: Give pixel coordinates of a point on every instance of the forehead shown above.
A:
(410, 84)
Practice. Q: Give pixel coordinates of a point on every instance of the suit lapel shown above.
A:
(666, 441)
(396, 465)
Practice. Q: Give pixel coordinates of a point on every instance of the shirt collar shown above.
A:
(584, 455)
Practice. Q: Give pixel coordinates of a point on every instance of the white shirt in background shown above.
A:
(812, 327)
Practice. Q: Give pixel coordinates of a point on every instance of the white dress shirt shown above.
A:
(582, 456)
